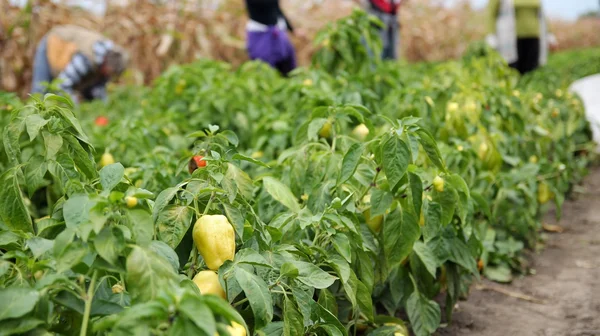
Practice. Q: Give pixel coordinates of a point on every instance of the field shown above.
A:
(184, 30)
(356, 197)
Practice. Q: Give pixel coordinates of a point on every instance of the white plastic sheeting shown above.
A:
(588, 89)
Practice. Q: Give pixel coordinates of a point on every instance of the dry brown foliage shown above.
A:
(181, 31)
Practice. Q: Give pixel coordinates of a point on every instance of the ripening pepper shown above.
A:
(374, 223)
(208, 283)
(215, 240)
(236, 329)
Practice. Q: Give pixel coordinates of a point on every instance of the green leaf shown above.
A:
(258, 295)
(9, 240)
(364, 300)
(381, 201)
(341, 243)
(71, 256)
(281, 193)
(242, 157)
(304, 298)
(243, 182)
(162, 200)
(173, 223)
(147, 274)
(13, 212)
(311, 275)
(198, 312)
(340, 265)
(400, 232)
(431, 148)
(39, 246)
(231, 137)
(141, 225)
(236, 218)
(222, 308)
(289, 270)
(17, 301)
(10, 138)
(331, 322)
(77, 210)
(52, 143)
(499, 273)
(4, 267)
(33, 123)
(483, 205)
(109, 243)
(185, 326)
(251, 257)
(395, 159)
(424, 314)
(433, 221)
(350, 163)
(464, 195)
(328, 301)
(166, 252)
(82, 157)
(111, 175)
(272, 329)
(461, 254)
(35, 171)
(366, 271)
(19, 326)
(448, 200)
(292, 319)
(427, 257)
(416, 191)
(455, 250)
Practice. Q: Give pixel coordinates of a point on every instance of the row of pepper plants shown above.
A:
(356, 197)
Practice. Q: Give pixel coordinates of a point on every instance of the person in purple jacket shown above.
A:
(267, 38)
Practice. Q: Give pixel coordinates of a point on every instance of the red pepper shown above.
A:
(196, 162)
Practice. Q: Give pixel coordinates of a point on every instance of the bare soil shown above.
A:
(566, 281)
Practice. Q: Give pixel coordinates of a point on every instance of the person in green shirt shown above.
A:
(517, 28)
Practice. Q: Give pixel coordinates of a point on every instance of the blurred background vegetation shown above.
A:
(161, 33)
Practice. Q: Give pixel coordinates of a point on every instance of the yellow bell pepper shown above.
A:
(236, 329)
(208, 283)
(215, 240)
(374, 223)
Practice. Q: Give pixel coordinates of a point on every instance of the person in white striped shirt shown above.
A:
(82, 61)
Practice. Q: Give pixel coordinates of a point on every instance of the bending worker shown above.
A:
(267, 38)
(82, 60)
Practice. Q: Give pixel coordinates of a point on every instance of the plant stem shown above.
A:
(210, 200)
(88, 305)
(239, 302)
(194, 260)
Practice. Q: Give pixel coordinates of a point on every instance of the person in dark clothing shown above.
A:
(267, 38)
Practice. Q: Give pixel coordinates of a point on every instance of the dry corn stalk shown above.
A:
(181, 31)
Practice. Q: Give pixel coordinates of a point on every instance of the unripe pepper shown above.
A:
(215, 240)
(438, 184)
(208, 283)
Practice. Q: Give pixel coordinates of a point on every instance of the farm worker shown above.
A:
(267, 38)
(82, 60)
(387, 12)
(517, 29)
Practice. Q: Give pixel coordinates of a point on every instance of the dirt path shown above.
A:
(567, 279)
